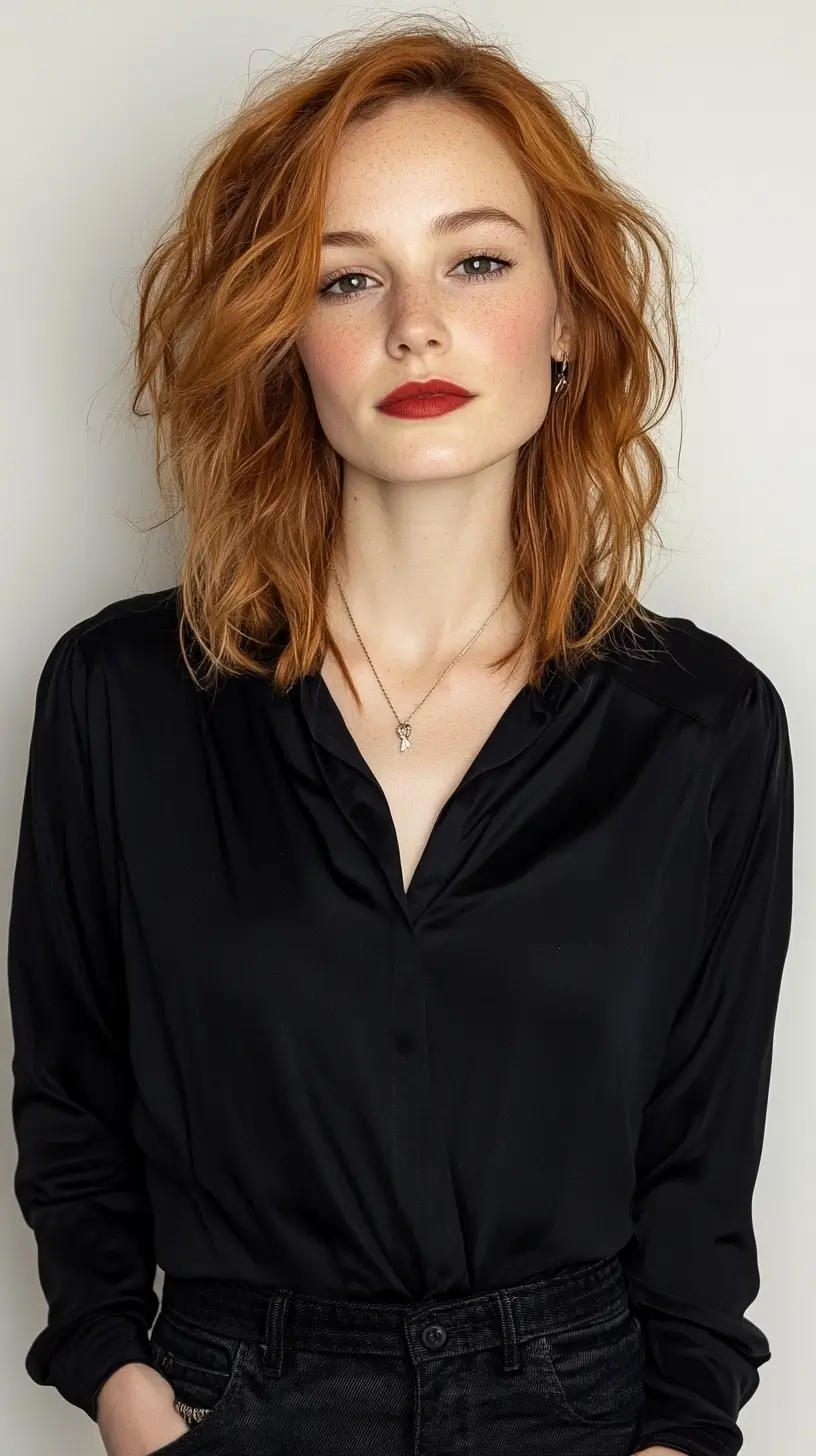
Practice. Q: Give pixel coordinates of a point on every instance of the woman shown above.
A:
(414, 1015)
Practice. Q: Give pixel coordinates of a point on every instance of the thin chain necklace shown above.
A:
(404, 726)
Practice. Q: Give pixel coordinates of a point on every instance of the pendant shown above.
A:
(404, 731)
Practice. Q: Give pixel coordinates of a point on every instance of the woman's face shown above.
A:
(414, 308)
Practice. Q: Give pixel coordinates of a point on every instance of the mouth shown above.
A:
(414, 389)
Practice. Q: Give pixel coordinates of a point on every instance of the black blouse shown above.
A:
(243, 1050)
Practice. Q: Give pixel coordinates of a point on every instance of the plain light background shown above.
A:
(708, 108)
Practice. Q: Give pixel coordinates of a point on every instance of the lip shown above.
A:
(422, 388)
(425, 406)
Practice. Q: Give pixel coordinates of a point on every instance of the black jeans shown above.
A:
(553, 1365)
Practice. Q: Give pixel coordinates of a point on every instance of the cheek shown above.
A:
(516, 348)
(518, 342)
(333, 361)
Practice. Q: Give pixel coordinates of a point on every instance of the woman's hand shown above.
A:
(134, 1411)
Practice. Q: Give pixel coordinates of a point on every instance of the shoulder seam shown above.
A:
(704, 671)
(132, 606)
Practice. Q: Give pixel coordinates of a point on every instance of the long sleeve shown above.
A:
(693, 1260)
(78, 1179)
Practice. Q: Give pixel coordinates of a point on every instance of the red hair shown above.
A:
(239, 447)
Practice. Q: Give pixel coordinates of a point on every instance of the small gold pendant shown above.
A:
(404, 731)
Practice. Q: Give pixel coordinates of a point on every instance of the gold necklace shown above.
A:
(404, 725)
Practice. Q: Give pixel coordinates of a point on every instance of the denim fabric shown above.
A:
(553, 1365)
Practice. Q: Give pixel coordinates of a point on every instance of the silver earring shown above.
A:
(562, 370)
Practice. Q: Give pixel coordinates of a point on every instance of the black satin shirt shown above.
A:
(242, 1050)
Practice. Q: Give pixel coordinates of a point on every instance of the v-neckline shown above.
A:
(518, 725)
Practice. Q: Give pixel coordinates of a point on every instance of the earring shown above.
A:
(562, 368)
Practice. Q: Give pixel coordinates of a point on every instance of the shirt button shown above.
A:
(434, 1337)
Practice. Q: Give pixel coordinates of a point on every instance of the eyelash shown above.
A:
(506, 264)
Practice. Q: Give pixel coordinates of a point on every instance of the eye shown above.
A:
(482, 276)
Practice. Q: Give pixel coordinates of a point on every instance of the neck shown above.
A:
(422, 565)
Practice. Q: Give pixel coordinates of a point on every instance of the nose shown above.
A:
(417, 323)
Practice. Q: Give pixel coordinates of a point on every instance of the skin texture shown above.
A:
(135, 1412)
(425, 549)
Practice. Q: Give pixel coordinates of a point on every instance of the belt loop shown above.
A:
(510, 1350)
(272, 1347)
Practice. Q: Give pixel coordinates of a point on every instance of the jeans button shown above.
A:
(434, 1337)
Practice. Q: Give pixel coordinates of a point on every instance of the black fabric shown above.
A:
(550, 1367)
(244, 1052)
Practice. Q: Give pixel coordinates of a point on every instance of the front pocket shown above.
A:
(202, 1367)
(596, 1373)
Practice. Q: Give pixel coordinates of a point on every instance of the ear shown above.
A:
(562, 335)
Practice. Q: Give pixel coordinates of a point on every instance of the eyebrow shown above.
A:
(446, 222)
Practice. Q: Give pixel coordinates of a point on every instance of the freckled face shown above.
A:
(476, 306)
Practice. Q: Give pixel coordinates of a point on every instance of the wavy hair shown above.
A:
(239, 449)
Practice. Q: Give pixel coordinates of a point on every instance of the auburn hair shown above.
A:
(239, 450)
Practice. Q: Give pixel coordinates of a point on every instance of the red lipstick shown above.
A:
(421, 398)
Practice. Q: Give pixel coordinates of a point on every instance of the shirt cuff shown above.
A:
(688, 1432)
(82, 1362)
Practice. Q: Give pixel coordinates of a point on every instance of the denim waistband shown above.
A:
(572, 1297)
